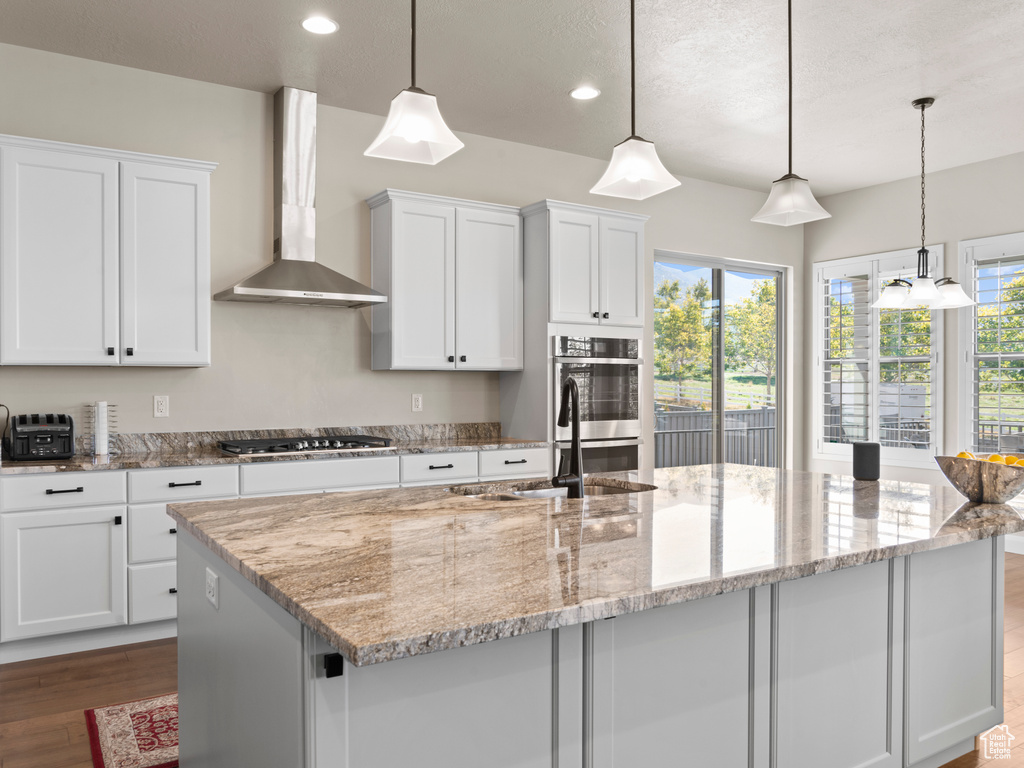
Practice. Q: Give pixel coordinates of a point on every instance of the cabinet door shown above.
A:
(573, 261)
(954, 644)
(63, 570)
(839, 671)
(488, 290)
(423, 286)
(165, 263)
(58, 258)
(622, 271)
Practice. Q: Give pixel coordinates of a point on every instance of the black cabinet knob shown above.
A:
(130, 351)
(172, 530)
(605, 315)
(173, 590)
(451, 358)
(597, 314)
(117, 519)
(110, 350)
(462, 359)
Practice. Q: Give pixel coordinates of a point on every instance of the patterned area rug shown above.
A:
(138, 734)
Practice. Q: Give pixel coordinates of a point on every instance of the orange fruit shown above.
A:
(1010, 460)
(996, 457)
(965, 455)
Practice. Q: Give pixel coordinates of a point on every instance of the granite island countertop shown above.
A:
(387, 574)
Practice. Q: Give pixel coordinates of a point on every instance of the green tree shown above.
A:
(681, 329)
(753, 331)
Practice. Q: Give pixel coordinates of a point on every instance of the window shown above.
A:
(994, 331)
(877, 374)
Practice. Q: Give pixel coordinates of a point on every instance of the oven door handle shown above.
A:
(600, 360)
(604, 443)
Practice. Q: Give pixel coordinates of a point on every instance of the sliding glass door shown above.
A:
(716, 362)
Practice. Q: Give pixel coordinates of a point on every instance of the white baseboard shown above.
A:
(1015, 543)
(75, 642)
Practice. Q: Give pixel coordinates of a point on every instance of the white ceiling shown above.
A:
(711, 74)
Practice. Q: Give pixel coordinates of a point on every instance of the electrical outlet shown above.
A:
(161, 406)
(417, 403)
(213, 588)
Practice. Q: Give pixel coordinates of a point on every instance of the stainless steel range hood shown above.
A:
(295, 277)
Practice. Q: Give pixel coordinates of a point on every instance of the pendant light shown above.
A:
(791, 200)
(635, 172)
(414, 131)
(944, 293)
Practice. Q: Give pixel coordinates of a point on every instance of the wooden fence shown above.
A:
(684, 436)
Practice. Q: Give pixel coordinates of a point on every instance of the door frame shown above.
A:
(783, 276)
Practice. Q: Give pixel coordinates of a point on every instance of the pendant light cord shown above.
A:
(413, 43)
(789, 38)
(922, 175)
(632, 67)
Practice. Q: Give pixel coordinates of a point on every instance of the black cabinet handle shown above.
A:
(605, 315)
(51, 491)
(462, 359)
(173, 590)
(597, 314)
(451, 358)
(521, 461)
(172, 530)
(442, 466)
(130, 351)
(182, 485)
(117, 519)
(110, 350)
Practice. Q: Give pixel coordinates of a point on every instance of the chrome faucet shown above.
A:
(574, 479)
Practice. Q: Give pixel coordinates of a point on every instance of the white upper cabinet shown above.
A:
(488, 290)
(104, 257)
(58, 258)
(453, 274)
(595, 264)
(165, 265)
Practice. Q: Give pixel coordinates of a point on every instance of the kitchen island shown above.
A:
(761, 618)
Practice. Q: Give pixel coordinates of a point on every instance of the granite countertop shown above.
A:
(382, 575)
(193, 449)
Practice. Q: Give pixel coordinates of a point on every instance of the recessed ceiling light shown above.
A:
(585, 92)
(320, 25)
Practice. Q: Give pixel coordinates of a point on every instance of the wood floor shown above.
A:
(42, 724)
(42, 702)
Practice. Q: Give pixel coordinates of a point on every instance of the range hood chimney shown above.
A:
(295, 277)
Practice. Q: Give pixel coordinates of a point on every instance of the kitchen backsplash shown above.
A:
(177, 442)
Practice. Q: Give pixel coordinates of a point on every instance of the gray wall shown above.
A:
(278, 366)
(977, 200)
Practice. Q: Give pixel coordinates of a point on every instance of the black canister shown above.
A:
(865, 461)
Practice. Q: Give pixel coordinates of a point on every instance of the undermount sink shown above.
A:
(591, 487)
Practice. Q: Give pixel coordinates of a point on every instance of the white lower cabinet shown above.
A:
(435, 468)
(153, 592)
(512, 463)
(62, 570)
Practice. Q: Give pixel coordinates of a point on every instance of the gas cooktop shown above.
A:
(291, 446)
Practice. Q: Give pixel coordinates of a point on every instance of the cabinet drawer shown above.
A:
(61, 490)
(182, 483)
(152, 534)
(438, 467)
(523, 462)
(314, 475)
(149, 592)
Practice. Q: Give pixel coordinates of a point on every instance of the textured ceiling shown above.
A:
(711, 73)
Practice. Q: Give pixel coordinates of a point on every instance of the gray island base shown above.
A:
(736, 616)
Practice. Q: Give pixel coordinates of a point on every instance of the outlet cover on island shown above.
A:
(161, 406)
(213, 588)
(417, 403)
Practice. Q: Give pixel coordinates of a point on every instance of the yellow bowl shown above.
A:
(983, 481)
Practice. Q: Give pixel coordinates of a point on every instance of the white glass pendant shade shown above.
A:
(923, 293)
(635, 172)
(894, 295)
(952, 295)
(790, 202)
(414, 131)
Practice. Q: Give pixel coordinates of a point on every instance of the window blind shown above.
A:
(846, 366)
